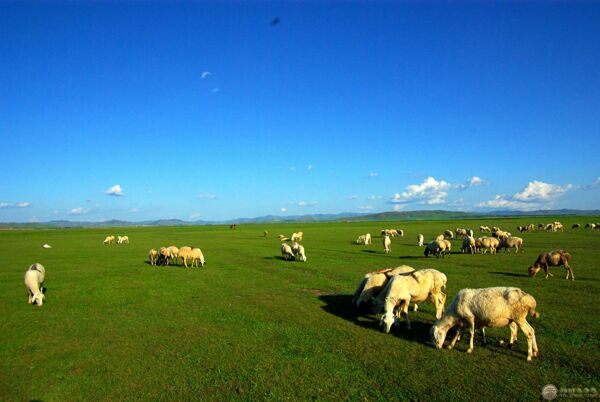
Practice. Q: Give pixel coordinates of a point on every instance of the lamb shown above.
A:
(448, 234)
(488, 307)
(483, 229)
(297, 236)
(487, 243)
(552, 259)
(34, 280)
(123, 240)
(299, 253)
(196, 256)
(153, 254)
(402, 290)
(511, 242)
(163, 257)
(286, 252)
(468, 244)
(374, 282)
(387, 244)
(184, 253)
(420, 239)
(109, 240)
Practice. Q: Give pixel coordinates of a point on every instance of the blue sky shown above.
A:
(208, 111)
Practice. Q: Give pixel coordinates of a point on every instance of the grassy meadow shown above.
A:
(251, 326)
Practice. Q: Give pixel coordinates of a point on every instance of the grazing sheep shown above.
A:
(34, 280)
(420, 239)
(448, 247)
(153, 254)
(435, 247)
(549, 227)
(590, 225)
(281, 237)
(552, 259)
(400, 232)
(374, 282)
(196, 256)
(530, 227)
(500, 234)
(495, 228)
(522, 228)
(488, 307)
(468, 244)
(402, 290)
(163, 257)
(576, 226)
(174, 254)
(511, 242)
(470, 232)
(123, 240)
(361, 239)
(109, 240)
(485, 243)
(485, 229)
(448, 234)
(297, 236)
(460, 232)
(184, 253)
(299, 253)
(47, 246)
(558, 227)
(286, 252)
(265, 233)
(367, 238)
(541, 226)
(439, 237)
(387, 244)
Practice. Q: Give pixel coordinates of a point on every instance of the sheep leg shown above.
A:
(472, 332)
(30, 296)
(405, 309)
(455, 339)
(185, 261)
(513, 333)
(569, 270)
(530, 334)
(483, 335)
(416, 307)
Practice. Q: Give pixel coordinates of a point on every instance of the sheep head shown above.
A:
(438, 335)
(534, 269)
(38, 299)
(386, 322)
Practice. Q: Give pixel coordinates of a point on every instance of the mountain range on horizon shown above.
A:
(344, 216)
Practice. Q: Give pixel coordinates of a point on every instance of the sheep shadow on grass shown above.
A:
(509, 274)
(369, 251)
(341, 306)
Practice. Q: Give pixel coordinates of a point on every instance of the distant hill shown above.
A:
(344, 216)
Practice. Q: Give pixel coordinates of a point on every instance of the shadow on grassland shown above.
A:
(509, 274)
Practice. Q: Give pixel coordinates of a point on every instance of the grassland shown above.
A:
(254, 327)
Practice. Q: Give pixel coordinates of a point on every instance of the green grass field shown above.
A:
(252, 326)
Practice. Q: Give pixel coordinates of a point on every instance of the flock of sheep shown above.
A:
(390, 291)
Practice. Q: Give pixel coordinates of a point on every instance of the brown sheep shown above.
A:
(552, 259)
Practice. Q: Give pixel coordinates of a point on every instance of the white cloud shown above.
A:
(501, 201)
(472, 182)
(540, 191)
(307, 203)
(398, 207)
(373, 174)
(352, 197)
(374, 197)
(115, 190)
(430, 192)
(208, 196)
(205, 74)
(14, 205)
(76, 211)
(283, 209)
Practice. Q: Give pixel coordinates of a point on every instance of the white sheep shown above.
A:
(297, 236)
(153, 254)
(173, 254)
(109, 239)
(435, 247)
(286, 252)
(299, 253)
(123, 240)
(511, 242)
(34, 280)
(488, 307)
(468, 245)
(485, 243)
(420, 239)
(196, 256)
(183, 253)
(402, 290)
(387, 244)
(448, 234)
(362, 239)
(374, 282)
(367, 238)
(47, 246)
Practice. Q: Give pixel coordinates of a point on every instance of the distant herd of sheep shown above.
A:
(390, 291)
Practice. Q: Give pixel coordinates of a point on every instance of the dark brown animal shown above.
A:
(552, 259)
(233, 227)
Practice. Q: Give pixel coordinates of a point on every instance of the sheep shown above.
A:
(541, 226)
(552, 259)
(109, 240)
(511, 242)
(460, 232)
(183, 252)
(590, 225)
(435, 247)
(265, 233)
(487, 243)
(469, 232)
(420, 239)
(448, 247)
(530, 227)
(367, 238)
(297, 236)
(576, 226)
(174, 254)
(299, 253)
(163, 257)
(495, 228)
(549, 227)
(468, 244)
(47, 246)
(153, 254)
(439, 237)
(123, 240)
(34, 281)
(488, 307)
(485, 229)
(387, 244)
(500, 234)
(281, 236)
(402, 290)
(374, 282)
(448, 234)
(286, 252)
(558, 227)
(196, 256)
(400, 232)
(361, 239)
(522, 228)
